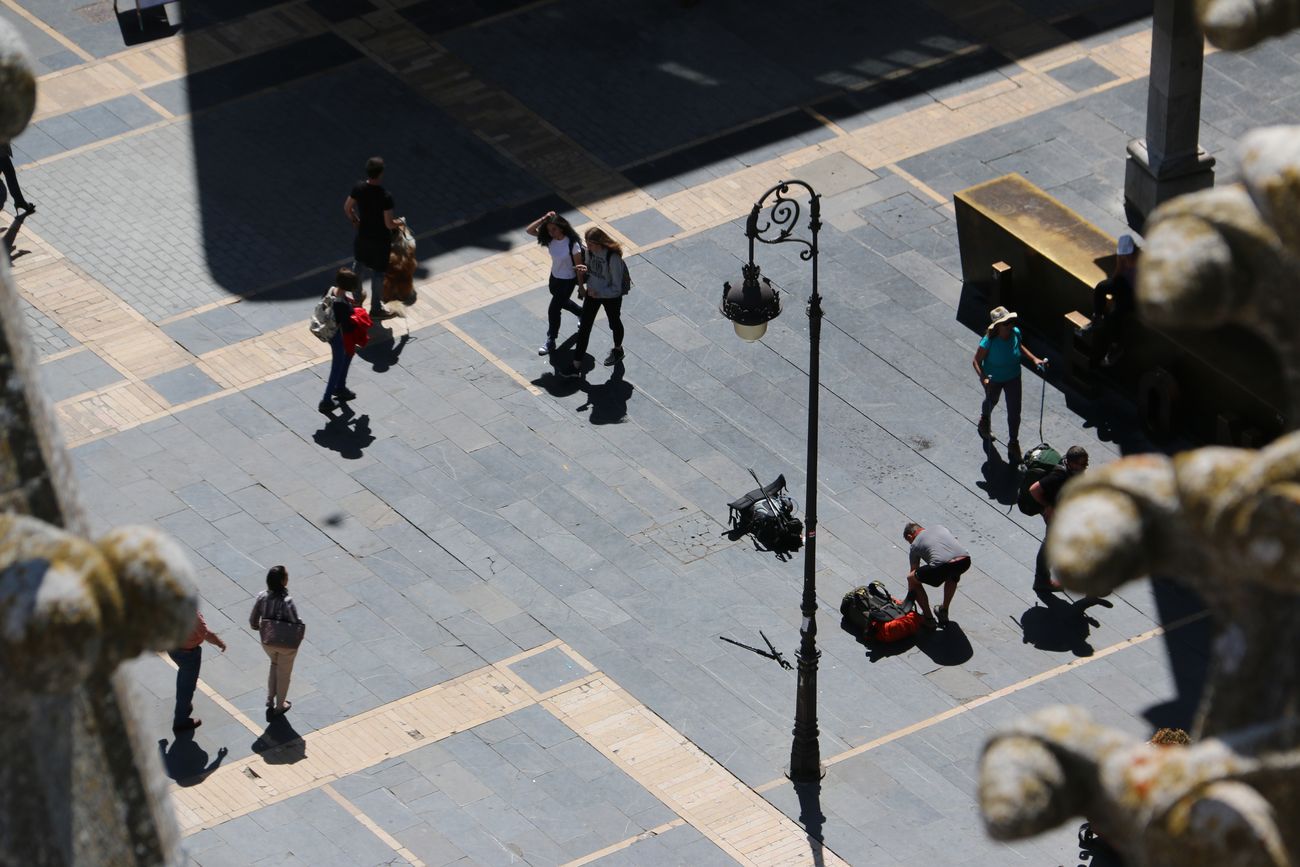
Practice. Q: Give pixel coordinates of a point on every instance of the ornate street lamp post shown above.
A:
(751, 307)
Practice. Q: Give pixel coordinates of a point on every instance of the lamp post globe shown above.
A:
(752, 304)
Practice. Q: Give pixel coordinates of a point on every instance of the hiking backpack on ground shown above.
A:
(877, 616)
(1037, 463)
(767, 513)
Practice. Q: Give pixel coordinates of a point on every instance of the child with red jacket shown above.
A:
(353, 332)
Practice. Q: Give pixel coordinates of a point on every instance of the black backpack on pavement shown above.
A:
(767, 513)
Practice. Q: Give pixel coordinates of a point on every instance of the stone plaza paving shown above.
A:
(515, 584)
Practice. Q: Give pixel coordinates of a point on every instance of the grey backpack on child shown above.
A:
(322, 319)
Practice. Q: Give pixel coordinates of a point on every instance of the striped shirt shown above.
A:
(273, 606)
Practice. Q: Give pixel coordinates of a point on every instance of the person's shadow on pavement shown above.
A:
(561, 358)
(1001, 479)
(1061, 624)
(11, 238)
(385, 353)
(347, 433)
(185, 761)
(280, 743)
(608, 400)
(947, 645)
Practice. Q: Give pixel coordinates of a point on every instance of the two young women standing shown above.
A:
(598, 272)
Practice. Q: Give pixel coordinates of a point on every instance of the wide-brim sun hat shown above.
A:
(997, 316)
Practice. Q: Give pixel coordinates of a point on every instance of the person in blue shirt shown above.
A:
(997, 363)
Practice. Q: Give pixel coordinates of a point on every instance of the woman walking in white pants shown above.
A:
(275, 617)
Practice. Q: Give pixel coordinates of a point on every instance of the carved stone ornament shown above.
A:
(79, 781)
(1225, 521)
(1238, 24)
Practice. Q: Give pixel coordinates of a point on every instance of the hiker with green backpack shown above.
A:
(1042, 496)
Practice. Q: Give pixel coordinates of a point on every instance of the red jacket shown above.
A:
(359, 336)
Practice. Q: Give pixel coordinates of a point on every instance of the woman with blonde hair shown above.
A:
(606, 276)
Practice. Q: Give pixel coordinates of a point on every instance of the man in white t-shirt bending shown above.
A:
(937, 559)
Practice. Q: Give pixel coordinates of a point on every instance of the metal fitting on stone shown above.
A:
(69, 607)
(1227, 255)
(1238, 24)
(1195, 806)
(1270, 167)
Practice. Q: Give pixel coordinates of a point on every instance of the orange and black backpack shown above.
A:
(877, 616)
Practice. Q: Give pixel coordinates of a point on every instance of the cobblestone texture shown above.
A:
(46, 334)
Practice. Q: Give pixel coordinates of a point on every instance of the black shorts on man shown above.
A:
(937, 574)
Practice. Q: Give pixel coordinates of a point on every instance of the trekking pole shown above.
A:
(776, 512)
(1041, 398)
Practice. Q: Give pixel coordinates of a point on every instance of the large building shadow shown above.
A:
(667, 93)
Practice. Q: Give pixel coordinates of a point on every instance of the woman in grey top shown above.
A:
(605, 272)
(275, 603)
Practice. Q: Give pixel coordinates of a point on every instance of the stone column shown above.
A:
(1169, 162)
(80, 784)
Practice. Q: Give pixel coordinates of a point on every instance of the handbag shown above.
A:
(322, 319)
(282, 633)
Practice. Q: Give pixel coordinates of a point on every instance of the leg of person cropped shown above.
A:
(21, 205)
(377, 309)
(188, 663)
(1043, 580)
(561, 300)
(1012, 388)
(992, 392)
(277, 681)
(590, 307)
(950, 575)
(613, 313)
(338, 372)
(916, 590)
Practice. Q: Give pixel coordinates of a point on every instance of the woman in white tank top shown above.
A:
(559, 238)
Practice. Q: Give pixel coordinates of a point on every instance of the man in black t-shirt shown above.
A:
(1047, 491)
(369, 207)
